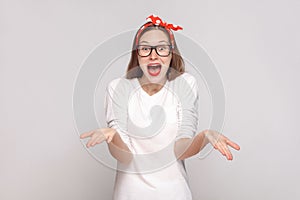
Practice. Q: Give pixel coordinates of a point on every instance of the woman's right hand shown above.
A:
(98, 136)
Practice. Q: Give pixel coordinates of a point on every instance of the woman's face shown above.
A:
(154, 66)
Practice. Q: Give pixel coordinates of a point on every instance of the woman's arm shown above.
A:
(187, 144)
(116, 102)
(187, 147)
(119, 150)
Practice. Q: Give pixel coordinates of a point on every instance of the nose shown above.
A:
(153, 55)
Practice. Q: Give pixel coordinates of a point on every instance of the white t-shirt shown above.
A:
(150, 126)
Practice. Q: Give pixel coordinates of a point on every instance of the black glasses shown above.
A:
(161, 50)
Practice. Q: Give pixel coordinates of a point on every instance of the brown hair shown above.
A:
(176, 65)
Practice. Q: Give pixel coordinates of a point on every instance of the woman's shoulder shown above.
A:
(185, 82)
(187, 77)
(117, 81)
(121, 83)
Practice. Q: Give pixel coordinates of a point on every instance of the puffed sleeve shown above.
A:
(187, 92)
(116, 108)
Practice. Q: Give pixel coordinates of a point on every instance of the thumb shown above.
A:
(109, 139)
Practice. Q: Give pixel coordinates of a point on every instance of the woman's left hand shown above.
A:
(221, 143)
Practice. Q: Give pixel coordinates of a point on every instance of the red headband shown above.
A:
(155, 20)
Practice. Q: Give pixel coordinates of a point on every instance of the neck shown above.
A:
(151, 88)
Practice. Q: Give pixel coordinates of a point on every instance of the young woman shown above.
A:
(152, 119)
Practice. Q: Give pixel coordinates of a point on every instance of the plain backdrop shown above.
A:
(254, 44)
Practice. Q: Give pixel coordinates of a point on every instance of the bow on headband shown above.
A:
(153, 19)
(158, 21)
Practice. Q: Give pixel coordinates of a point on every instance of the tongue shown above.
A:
(154, 70)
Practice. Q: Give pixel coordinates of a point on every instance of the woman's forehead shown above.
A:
(154, 36)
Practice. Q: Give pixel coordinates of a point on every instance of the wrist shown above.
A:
(205, 134)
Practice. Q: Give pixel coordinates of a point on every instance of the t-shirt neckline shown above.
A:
(145, 93)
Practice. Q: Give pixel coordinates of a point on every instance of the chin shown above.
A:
(155, 76)
(156, 79)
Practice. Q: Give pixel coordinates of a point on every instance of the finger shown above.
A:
(233, 145)
(224, 150)
(86, 134)
(109, 139)
(220, 148)
(91, 142)
(97, 140)
(94, 140)
(101, 139)
(228, 153)
(88, 144)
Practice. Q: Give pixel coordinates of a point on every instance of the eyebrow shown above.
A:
(158, 41)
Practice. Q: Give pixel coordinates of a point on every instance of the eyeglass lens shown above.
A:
(161, 50)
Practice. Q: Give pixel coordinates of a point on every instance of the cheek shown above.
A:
(141, 61)
(167, 61)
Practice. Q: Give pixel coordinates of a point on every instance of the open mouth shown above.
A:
(154, 69)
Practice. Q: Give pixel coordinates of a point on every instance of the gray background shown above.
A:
(254, 44)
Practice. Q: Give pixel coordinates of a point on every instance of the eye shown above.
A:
(145, 48)
(162, 48)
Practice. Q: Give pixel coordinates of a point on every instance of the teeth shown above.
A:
(154, 66)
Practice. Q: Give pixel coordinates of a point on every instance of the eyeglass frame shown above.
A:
(154, 47)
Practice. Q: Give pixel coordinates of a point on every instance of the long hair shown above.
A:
(176, 65)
